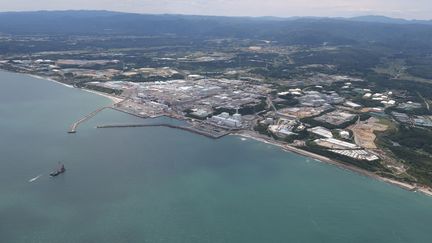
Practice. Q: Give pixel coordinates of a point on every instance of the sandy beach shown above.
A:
(111, 97)
(320, 158)
(49, 79)
(286, 147)
(114, 99)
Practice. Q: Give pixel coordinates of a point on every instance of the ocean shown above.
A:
(165, 185)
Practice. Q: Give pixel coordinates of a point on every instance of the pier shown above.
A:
(74, 126)
(214, 133)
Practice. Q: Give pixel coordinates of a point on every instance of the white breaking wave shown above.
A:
(35, 178)
(50, 79)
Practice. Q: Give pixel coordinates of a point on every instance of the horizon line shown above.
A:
(211, 15)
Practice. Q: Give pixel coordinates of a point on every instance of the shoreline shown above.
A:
(288, 148)
(114, 99)
(49, 79)
(323, 159)
(111, 97)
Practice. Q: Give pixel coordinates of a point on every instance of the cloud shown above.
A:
(421, 9)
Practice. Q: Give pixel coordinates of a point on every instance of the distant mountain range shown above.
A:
(103, 13)
(388, 20)
(295, 30)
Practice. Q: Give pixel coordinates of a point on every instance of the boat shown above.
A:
(59, 171)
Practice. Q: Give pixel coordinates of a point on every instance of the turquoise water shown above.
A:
(166, 185)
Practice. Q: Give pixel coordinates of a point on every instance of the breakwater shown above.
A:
(211, 133)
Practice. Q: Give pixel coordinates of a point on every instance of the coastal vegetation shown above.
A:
(258, 67)
(413, 146)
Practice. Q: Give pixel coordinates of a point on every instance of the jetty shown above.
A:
(205, 131)
(74, 126)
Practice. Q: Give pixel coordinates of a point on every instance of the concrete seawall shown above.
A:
(74, 126)
(214, 135)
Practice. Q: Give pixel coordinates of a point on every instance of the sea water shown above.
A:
(158, 184)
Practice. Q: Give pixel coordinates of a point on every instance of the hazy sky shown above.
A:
(418, 9)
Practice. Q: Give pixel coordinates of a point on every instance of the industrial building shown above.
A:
(315, 98)
(333, 143)
(358, 154)
(224, 119)
(321, 131)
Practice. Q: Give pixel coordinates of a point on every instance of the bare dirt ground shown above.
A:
(364, 135)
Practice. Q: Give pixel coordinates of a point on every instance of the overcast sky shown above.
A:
(410, 9)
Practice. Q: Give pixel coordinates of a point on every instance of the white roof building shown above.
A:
(321, 131)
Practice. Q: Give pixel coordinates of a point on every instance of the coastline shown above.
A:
(251, 135)
(111, 97)
(320, 158)
(49, 79)
(114, 99)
